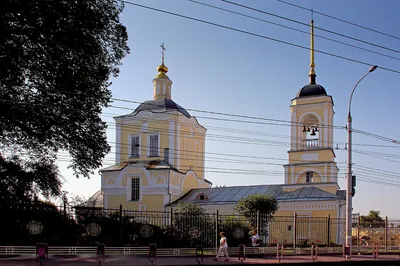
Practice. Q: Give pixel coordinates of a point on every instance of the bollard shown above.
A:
(101, 253)
(346, 251)
(199, 254)
(242, 253)
(314, 252)
(152, 252)
(279, 252)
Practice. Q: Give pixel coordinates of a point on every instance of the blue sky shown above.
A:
(220, 70)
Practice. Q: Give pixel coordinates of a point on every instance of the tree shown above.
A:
(373, 219)
(258, 204)
(56, 62)
(189, 208)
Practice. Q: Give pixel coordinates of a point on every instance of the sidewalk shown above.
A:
(392, 260)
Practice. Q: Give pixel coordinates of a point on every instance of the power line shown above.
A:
(339, 19)
(226, 114)
(294, 29)
(224, 137)
(260, 133)
(376, 136)
(237, 139)
(376, 169)
(260, 36)
(218, 170)
(305, 24)
(288, 123)
(375, 156)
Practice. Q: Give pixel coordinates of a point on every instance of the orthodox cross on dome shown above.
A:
(162, 51)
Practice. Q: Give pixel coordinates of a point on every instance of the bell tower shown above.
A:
(311, 156)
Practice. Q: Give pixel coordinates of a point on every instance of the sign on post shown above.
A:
(242, 253)
(42, 251)
(199, 254)
(152, 252)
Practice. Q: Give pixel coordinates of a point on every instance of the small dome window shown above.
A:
(201, 197)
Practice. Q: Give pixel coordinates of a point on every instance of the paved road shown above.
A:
(171, 261)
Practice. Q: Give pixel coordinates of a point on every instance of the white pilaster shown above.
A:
(292, 174)
(294, 136)
(118, 142)
(172, 142)
(178, 153)
(327, 127)
(286, 174)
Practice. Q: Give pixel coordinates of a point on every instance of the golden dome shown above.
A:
(162, 70)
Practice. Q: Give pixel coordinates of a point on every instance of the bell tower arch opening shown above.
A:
(310, 133)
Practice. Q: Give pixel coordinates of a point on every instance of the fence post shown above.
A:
(216, 231)
(295, 230)
(120, 223)
(171, 218)
(258, 222)
(386, 234)
(358, 233)
(329, 230)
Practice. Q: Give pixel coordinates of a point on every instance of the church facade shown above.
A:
(310, 187)
(160, 159)
(159, 153)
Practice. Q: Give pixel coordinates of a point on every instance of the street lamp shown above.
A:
(349, 194)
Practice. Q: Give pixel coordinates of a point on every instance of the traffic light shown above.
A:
(353, 182)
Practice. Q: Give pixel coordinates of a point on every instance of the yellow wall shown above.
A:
(151, 202)
(188, 146)
(312, 230)
(323, 156)
(192, 146)
(331, 188)
(161, 127)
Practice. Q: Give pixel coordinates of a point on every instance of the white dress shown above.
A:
(223, 249)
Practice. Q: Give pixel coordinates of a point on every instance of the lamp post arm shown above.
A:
(352, 92)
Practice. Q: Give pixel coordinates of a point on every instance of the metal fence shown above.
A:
(27, 224)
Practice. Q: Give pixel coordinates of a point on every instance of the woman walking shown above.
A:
(223, 247)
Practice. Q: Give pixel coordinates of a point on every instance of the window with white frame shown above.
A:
(135, 145)
(309, 177)
(135, 189)
(154, 145)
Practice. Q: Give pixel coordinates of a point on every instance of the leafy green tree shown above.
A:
(258, 210)
(190, 218)
(189, 208)
(373, 219)
(56, 61)
(262, 204)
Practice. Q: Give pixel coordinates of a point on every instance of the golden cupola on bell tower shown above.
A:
(311, 156)
(161, 83)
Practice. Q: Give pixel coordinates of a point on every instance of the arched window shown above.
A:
(309, 177)
(201, 197)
